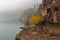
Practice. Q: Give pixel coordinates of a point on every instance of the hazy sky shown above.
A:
(10, 9)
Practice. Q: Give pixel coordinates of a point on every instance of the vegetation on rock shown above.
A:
(37, 19)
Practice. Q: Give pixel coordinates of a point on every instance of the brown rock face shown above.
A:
(51, 10)
(37, 33)
(29, 33)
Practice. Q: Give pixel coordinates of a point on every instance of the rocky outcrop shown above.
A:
(51, 10)
(50, 32)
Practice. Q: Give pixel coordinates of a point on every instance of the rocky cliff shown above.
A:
(50, 9)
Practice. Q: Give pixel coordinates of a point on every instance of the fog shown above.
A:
(11, 9)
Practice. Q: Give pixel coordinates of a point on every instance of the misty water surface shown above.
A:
(10, 10)
(8, 30)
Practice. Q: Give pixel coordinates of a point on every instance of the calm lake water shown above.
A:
(8, 30)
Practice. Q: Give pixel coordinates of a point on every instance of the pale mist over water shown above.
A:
(10, 11)
(9, 29)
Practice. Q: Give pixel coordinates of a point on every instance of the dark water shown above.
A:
(8, 30)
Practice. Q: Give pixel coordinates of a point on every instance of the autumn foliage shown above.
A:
(37, 19)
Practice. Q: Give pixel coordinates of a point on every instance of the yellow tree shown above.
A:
(37, 19)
